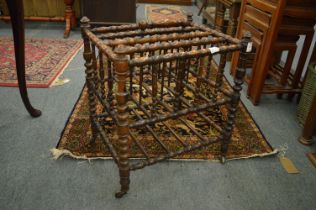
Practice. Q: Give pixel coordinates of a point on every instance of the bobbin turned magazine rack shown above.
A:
(145, 78)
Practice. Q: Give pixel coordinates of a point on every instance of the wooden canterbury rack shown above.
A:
(137, 77)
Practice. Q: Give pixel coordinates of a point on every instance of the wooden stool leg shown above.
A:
(17, 20)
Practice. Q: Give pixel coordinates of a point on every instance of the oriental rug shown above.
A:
(157, 14)
(247, 139)
(45, 60)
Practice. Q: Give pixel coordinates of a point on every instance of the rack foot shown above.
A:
(120, 194)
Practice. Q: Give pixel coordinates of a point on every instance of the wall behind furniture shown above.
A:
(43, 8)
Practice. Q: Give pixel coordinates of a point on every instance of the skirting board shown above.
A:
(178, 2)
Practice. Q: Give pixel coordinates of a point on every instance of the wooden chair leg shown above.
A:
(301, 63)
(219, 16)
(17, 20)
(287, 69)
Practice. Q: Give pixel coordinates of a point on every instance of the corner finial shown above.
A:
(85, 22)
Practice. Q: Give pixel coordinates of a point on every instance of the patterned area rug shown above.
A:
(45, 60)
(158, 14)
(247, 139)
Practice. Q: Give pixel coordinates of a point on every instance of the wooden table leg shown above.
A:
(70, 17)
(17, 21)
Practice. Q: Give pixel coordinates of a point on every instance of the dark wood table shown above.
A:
(17, 21)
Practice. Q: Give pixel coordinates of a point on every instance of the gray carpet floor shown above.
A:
(30, 179)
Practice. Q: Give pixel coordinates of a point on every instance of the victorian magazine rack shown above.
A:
(146, 78)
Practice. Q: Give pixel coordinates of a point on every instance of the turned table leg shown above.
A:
(70, 17)
(17, 20)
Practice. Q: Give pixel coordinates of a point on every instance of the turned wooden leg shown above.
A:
(232, 107)
(17, 20)
(70, 17)
(90, 72)
(121, 73)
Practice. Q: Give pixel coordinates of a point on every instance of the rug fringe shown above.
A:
(274, 152)
(58, 153)
(66, 65)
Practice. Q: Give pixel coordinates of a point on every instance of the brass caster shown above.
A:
(120, 194)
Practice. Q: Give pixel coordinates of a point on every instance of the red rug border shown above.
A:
(56, 75)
